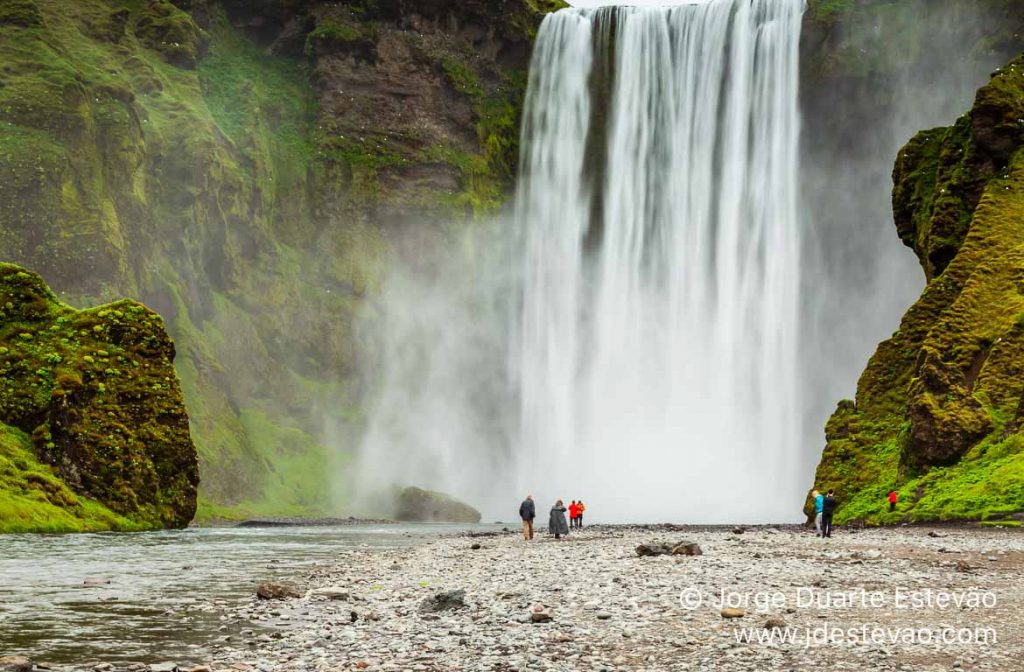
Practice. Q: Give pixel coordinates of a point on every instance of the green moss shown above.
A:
(939, 407)
(97, 391)
(33, 499)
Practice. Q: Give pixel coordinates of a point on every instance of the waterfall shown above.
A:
(658, 336)
(631, 338)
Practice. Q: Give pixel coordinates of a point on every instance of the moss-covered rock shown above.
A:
(937, 407)
(97, 392)
(426, 506)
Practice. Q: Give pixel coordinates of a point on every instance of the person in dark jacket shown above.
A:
(557, 525)
(527, 511)
(827, 510)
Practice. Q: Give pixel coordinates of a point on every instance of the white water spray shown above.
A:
(654, 347)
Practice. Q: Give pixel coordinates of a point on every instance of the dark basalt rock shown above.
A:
(449, 600)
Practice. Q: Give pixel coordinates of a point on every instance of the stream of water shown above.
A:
(152, 609)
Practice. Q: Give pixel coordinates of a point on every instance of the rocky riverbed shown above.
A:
(889, 599)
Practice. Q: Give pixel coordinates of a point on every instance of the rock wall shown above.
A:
(938, 410)
(241, 167)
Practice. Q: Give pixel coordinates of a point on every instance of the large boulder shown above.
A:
(426, 506)
(97, 392)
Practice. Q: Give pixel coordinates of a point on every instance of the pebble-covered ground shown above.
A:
(951, 598)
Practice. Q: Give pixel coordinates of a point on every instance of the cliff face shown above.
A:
(95, 395)
(239, 167)
(939, 408)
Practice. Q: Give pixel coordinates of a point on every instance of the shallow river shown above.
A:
(48, 613)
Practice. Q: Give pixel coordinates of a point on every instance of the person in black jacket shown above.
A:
(527, 511)
(828, 509)
(557, 524)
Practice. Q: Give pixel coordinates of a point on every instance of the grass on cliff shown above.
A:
(32, 499)
(979, 329)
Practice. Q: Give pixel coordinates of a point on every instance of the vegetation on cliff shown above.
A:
(939, 409)
(93, 393)
(240, 167)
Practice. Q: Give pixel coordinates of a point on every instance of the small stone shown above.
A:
(102, 667)
(93, 581)
(332, 593)
(650, 550)
(775, 623)
(731, 612)
(687, 548)
(475, 547)
(540, 617)
(163, 667)
(738, 530)
(270, 590)
(603, 616)
(448, 600)
(15, 664)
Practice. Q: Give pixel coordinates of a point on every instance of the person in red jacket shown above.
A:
(573, 513)
(580, 508)
(893, 498)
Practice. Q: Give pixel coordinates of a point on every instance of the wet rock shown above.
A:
(15, 664)
(738, 530)
(936, 535)
(603, 616)
(475, 547)
(163, 667)
(731, 612)
(448, 600)
(271, 590)
(102, 667)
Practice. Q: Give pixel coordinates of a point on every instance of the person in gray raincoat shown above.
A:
(557, 525)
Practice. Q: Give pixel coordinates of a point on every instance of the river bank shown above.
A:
(599, 606)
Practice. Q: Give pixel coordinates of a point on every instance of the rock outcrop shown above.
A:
(937, 409)
(97, 393)
(426, 506)
(244, 168)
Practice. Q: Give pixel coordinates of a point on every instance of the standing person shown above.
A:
(580, 508)
(556, 521)
(574, 511)
(527, 511)
(819, 506)
(828, 509)
(893, 498)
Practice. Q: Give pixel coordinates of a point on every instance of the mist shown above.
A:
(918, 67)
(689, 404)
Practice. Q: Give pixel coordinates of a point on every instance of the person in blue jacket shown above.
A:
(819, 507)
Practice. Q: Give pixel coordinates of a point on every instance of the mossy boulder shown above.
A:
(937, 413)
(426, 506)
(97, 393)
